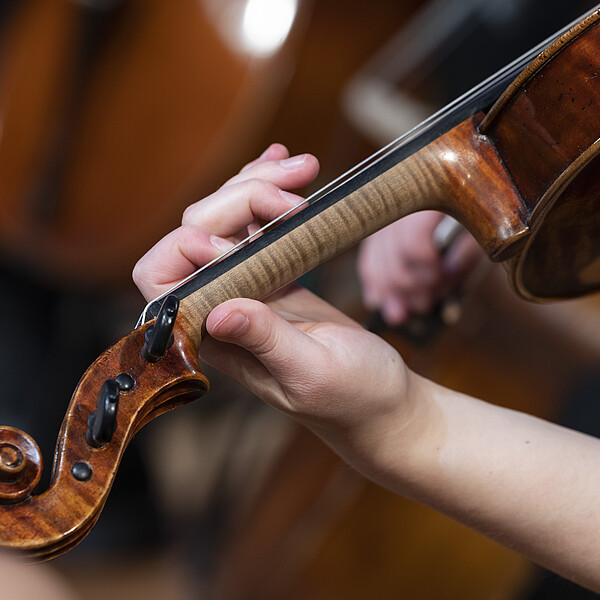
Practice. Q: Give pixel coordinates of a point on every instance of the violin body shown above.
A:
(546, 128)
(520, 176)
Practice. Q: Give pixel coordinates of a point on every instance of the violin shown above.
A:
(514, 160)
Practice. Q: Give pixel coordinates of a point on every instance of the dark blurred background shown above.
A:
(117, 114)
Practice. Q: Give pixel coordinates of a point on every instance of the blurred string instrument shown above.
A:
(514, 160)
(115, 114)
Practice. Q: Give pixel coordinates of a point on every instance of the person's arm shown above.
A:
(527, 483)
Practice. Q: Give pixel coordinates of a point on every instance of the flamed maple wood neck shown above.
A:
(444, 164)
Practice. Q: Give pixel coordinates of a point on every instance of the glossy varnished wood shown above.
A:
(466, 172)
(47, 525)
(546, 127)
(562, 256)
(550, 115)
(459, 173)
(551, 118)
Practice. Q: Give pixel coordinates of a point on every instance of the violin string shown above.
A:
(517, 65)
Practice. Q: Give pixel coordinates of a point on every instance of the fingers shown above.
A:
(286, 172)
(317, 371)
(297, 304)
(215, 224)
(400, 268)
(173, 258)
(273, 152)
(229, 212)
(258, 191)
(403, 272)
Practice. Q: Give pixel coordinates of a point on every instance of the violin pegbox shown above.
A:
(123, 391)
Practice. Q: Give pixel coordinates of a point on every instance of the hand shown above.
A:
(403, 273)
(472, 460)
(215, 224)
(308, 359)
(295, 351)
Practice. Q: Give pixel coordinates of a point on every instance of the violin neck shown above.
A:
(432, 178)
(381, 172)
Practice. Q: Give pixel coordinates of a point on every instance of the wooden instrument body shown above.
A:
(546, 128)
(86, 185)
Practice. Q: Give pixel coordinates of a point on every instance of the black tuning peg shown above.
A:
(103, 421)
(159, 337)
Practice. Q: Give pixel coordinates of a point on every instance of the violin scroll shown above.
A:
(125, 392)
(20, 465)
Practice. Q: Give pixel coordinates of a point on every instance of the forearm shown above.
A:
(529, 484)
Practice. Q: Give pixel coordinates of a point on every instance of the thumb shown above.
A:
(255, 327)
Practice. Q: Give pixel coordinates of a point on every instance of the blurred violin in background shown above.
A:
(116, 113)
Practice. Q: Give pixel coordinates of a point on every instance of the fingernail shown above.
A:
(293, 162)
(220, 243)
(232, 325)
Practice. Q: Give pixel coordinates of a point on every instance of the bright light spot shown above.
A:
(266, 24)
(449, 156)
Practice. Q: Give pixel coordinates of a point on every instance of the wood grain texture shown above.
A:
(478, 175)
(546, 128)
(50, 524)
(459, 173)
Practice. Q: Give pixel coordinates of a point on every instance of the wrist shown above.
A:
(397, 446)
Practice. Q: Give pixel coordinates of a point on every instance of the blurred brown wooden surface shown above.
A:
(99, 156)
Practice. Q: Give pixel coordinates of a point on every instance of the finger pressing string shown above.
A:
(232, 209)
(176, 256)
(287, 173)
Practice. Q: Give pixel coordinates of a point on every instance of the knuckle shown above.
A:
(138, 272)
(266, 340)
(259, 188)
(189, 213)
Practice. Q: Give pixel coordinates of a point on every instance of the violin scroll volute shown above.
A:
(46, 525)
(20, 465)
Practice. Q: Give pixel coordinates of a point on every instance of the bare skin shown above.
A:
(525, 482)
(401, 271)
